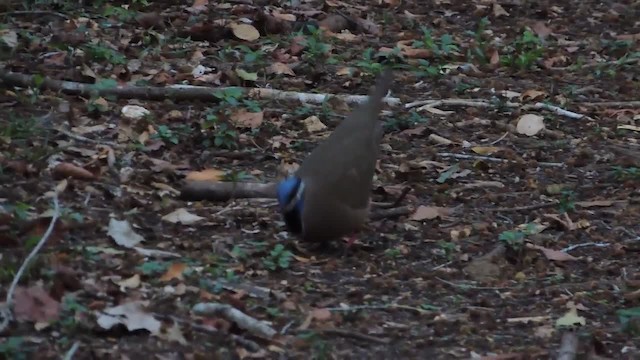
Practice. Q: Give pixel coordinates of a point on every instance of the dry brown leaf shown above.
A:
(66, 170)
(245, 119)
(598, 203)
(280, 68)
(245, 32)
(285, 17)
(533, 95)
(321, 314)
(430, 212)
(198, 6)
(495, 57)
(35, 304)
(205, 175)
(174, 272)
(334, 23)
(554, 255)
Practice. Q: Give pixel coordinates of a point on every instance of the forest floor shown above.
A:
(511, 228)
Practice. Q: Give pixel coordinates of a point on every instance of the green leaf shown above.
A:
(447, 174)
(247, 76)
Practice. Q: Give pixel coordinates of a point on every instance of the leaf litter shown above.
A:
(496, 240)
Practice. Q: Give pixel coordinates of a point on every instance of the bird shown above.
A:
(328, 197)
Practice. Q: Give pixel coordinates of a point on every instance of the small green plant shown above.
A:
(626, 173)
(229, 96)
(393, 253)
(444, 46)
(236, 176)
(153, 267)
(315, 48)
(405, 121)
(320, 348)
(524, 52)
(630, 320)
(427, 69)
(13, 348)
(101, 52)
(279, 258)
(225, 137)
(249, 55)
(164, 133)
(119, 12)
(479, 50)
(448, 248)
(514, 239)
(567, 201)
(97, 105)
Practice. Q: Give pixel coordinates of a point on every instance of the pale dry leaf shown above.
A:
(435, 110)
(182, 216)
(280, 68)
(313, 124)
(530, 124)
(499, 11)
(205, 175)
(571, 318)
(595, 203)
(122, 233)
(245, 119)
(247, 76)
(134, 112)
(485, 150)
(130, 283)
(132, 315)
(245, 32)
(9, 37)
(174, 334)
(321, 314)
(440, 140)
(430, 212)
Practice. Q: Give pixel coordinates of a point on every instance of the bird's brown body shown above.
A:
(338, 174)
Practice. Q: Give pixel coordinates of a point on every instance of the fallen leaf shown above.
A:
(530, 124)
(280, 68)
(598, 203)
(174, 272)
(134, 112)
(498, 10)
(122, 233)
(245, 32)
(9, 37)
(174, 333)
(571, 318)
(205, 175)
(430, 212)
(314, 124)
(247, 76)
(68, 170)
(130, 283)
(245, 119)
(182, 216)
(485, 150)
(533, 95)
(35, 304)
(131, 315)
(321, 314)
(553, 255)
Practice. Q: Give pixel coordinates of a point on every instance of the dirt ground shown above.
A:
(506, 224)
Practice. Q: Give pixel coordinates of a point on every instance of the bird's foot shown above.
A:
(349, 240)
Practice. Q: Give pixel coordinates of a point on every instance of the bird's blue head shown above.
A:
(291, 200)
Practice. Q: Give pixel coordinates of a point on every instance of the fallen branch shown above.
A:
(6, 313)
(614, 104)
(568, 347)
(244, 321)
(173, 92)
(522, 208)
(391, 213)
(434, 103)
(223, 191)
(351, 334)
(72, 351)
(34, 12)
(488, 158)
(248, 344)
(573, 247)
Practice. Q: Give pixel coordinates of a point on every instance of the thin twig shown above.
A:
(488, 158)
(72, 351)
(616, 104)
(573, 247)
(352, 334)
(35, 250)
(86, 139)
(35, 12)
(467, 286)
(244, 321)
(522, 208)
(379, 307)
(500, 138)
